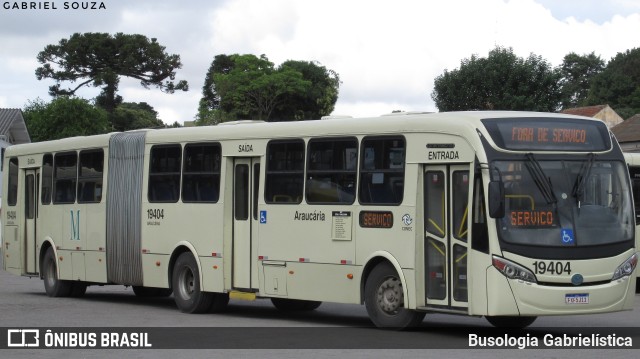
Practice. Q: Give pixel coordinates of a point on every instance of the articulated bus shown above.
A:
(507, 215)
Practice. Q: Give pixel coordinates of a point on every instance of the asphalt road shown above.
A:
(250, 329)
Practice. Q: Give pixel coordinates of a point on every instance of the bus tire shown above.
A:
(186, 286)
(384, 300)
(294, 305)
(510, 321)
(53, 286)
(149, 292)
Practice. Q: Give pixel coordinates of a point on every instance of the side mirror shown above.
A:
(496, 199)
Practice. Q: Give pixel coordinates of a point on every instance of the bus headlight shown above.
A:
(513, 271)
(626, 268)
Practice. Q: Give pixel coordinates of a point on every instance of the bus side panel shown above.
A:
(96, 266)
(12, 250)
(478, 264)
(212, 274)
(155, 268)
(500, 299)
(323, 282)
(65, 265)
(165, 224)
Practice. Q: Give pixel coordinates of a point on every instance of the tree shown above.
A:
(254, 87)
(501, 81)
(319, 99)
(577, 72)
(64, 117)
(248, 87)
(618, 85)
(133, 116)
(209, 107)
(101, 59)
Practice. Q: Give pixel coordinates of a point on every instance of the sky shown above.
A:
(387, 53)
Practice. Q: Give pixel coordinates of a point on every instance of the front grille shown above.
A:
(569, 285)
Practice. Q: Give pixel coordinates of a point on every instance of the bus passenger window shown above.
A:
(65, 172)
(382, 170)
(331, 170)
(285, 172)
(164, 174)
(201, 173)
(47, 178)
(434, 190)
(460, 191)
(12, 196)
(90, 176)
(479, 230)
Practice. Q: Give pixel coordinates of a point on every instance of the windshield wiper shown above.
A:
(541, 180)
(581, 179)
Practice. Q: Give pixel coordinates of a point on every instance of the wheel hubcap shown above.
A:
(390, 297)
(187, 284)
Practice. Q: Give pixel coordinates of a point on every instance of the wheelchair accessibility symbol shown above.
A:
(263, 217)
(567, 236)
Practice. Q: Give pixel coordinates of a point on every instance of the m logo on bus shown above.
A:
(75, 226)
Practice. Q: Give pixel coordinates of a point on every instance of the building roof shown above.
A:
(13, 129)
(588, 111)
(628, 130)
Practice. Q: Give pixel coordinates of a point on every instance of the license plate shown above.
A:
(581, 298)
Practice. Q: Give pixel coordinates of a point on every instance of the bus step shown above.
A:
(234, 294)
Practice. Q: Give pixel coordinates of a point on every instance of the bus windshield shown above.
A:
(565, 203)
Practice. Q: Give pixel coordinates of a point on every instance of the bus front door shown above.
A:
(446, 215)
(31, 181)
(246, 175)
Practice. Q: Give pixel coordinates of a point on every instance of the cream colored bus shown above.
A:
(506, 215)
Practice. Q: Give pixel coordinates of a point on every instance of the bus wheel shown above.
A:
(186, 286)
(384, 300)
(293, 305)
(148, 292)
(52, 285)
(511, 321)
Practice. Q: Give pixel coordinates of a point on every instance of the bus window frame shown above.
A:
(385, 171)
(330, 171)
(295, 198)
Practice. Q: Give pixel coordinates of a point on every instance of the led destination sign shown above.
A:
(532, 219)
(546, 134)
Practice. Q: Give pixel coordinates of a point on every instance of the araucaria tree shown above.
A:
(501, 81)
(100, 59)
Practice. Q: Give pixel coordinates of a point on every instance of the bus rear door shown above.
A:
(32, 182)
(246, 176)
